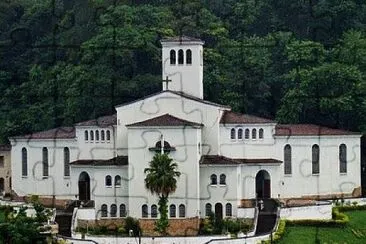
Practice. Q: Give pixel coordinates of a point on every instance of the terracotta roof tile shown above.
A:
(216, 159)
(5, 147)
(230, 117)
(165, 120)
(101, 121)
(182, 94)
(118, 161)
(309, 130)
(57, 133)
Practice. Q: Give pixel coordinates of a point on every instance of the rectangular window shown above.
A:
(2, 161)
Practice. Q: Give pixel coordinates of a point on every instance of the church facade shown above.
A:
(225, 158)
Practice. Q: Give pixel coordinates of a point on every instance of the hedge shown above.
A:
(279, 233)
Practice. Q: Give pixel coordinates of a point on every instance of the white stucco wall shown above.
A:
(178, 106)
(34, 183)
(219, 194)
(308, 212)
(329, 181)
(95, 149)
(186, 141)
(101, 193)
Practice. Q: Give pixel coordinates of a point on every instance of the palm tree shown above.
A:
(161, 179)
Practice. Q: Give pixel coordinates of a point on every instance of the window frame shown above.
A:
(342, 158)
(24, 162)
(108, 179)
(213, 179)
(287, 159)
(228, 210)
(172, 57)
(315, 159)
(222, 179)
(182, 211)
(66, 162)
(45, 163)
(122, 210)
(172, 211)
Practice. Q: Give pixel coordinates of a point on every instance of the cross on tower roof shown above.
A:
(166, 81)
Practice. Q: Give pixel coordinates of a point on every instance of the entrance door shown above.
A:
(218, 211)
(263, 184)
(84, 187)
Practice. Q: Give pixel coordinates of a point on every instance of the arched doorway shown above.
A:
(2, 186)
(84, 186)
(218, 211)
(263, 184)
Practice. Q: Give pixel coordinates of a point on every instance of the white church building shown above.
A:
(225, 158)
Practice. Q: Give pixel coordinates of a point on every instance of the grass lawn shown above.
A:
(354, 232)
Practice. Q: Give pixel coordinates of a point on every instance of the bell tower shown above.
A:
(182, 63)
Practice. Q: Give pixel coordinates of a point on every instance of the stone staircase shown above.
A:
(267, 216)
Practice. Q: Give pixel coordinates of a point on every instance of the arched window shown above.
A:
(228, 210)
(240, 134)
(189, 56)
(232, 134)
(66, 161)
(97, 135)
(104, 210)
(45, 161)
(102, 135)
(144, 211)
(108, 180)
(24, 162)
(86, 135)
(287, 156)
(172, 57)
(92, 135)
(315, 159)
(113, 210)
(172, 211)
(213, 179)
(154, 211)
(342, 158)
(108, 135)
(254, 134)
(260, 133)
(247, 132)
(122, 210)
(208, 209)
(222, 179)
(180, 56)
(117, 181)
(182, 211)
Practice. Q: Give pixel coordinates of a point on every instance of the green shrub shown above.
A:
(279, 233)
(132, 224)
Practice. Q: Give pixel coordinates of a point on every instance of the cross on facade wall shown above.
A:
(166, 81)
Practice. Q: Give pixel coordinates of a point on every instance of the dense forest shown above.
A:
(297, 61)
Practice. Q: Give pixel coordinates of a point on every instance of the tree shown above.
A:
(161, 179)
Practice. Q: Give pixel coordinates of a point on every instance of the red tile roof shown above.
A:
(118, 161)
(181, 94)
(101, 121)
(216, 159)
(309, 130)
(5, 147)
(165, 120)
(230, 117)
(57, 133)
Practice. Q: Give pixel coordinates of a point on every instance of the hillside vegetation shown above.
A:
(295, 61)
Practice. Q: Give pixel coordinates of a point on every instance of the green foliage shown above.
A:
(161, 179)
(268, 58)
(132, 224)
